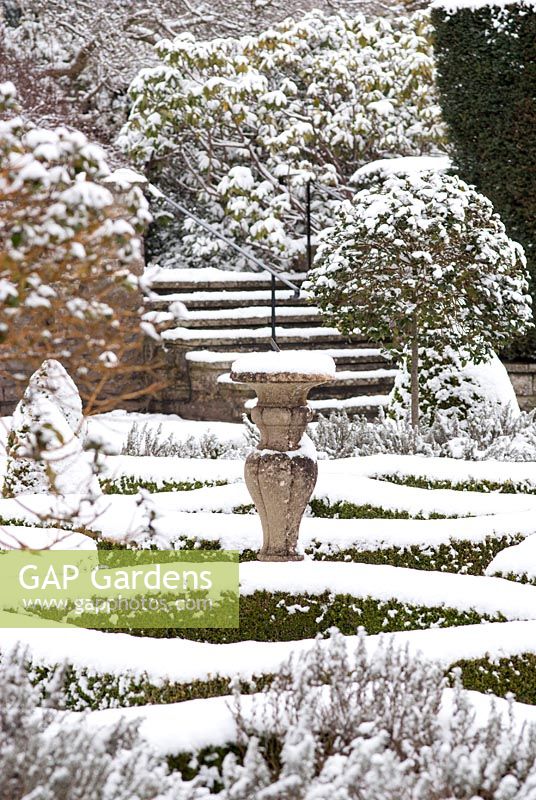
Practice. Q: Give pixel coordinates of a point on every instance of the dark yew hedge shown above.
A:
(486, 62)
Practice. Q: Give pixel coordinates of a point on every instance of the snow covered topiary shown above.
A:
(45, 444)
(423, 265)
(240, 126)
(378, 724)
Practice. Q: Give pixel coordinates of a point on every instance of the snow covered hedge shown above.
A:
(486, 56)
(239, 126)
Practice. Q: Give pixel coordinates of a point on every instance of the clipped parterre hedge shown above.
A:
(89, 690)
(282, 617)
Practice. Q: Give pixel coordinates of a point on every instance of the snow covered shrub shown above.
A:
(338, 436)
(45, 444)
(67, 245)
(43, 758)
(487, 432)
(423, 265)
(146, 440)
(77, 59)
(452, 385)
(379, 725)
(240, 126)
(485, 55)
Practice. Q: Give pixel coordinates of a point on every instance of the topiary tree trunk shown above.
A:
(415, 371)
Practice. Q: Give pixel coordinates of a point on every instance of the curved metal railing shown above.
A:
(275, 275)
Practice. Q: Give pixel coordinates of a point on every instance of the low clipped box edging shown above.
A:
(90, 690)
(279, 616)
(462, 556)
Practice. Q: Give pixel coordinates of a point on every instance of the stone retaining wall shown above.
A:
(523, 377)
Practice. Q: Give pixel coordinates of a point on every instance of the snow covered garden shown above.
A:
(384, 540)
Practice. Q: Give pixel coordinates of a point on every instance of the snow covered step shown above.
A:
(227, 299)
(363, 377)
(260, 337)
(359, 358)
(176, 280)
(237, 317)
(365, 404)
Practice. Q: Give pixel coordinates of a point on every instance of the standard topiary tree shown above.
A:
(486, 62)
(423, 264)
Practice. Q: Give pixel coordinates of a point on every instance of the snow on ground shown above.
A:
(113, 428)
(123, 516)
(183, 661)
(243, 531)
(182, 727)
(451, 469)
(207, 514)
(519, 560)
(169, 468)
(17, 537)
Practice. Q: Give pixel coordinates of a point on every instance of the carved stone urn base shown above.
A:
(280, 485)
(281, 474)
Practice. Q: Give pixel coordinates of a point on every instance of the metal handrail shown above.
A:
(275, 276)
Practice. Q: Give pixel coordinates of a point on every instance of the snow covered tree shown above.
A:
(239, 127)
(423, 265)
(45, 444)
(67, 249)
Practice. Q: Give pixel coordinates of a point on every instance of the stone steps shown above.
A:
(204, 300)
(212, 279)
(210, 317)
(287, 316)
(246, 339)
(358, 358)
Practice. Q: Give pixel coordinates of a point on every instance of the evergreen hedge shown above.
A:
(282, 617)
(89, 690)
(486, 62)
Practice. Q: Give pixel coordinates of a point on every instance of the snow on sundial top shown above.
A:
(301, 364)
